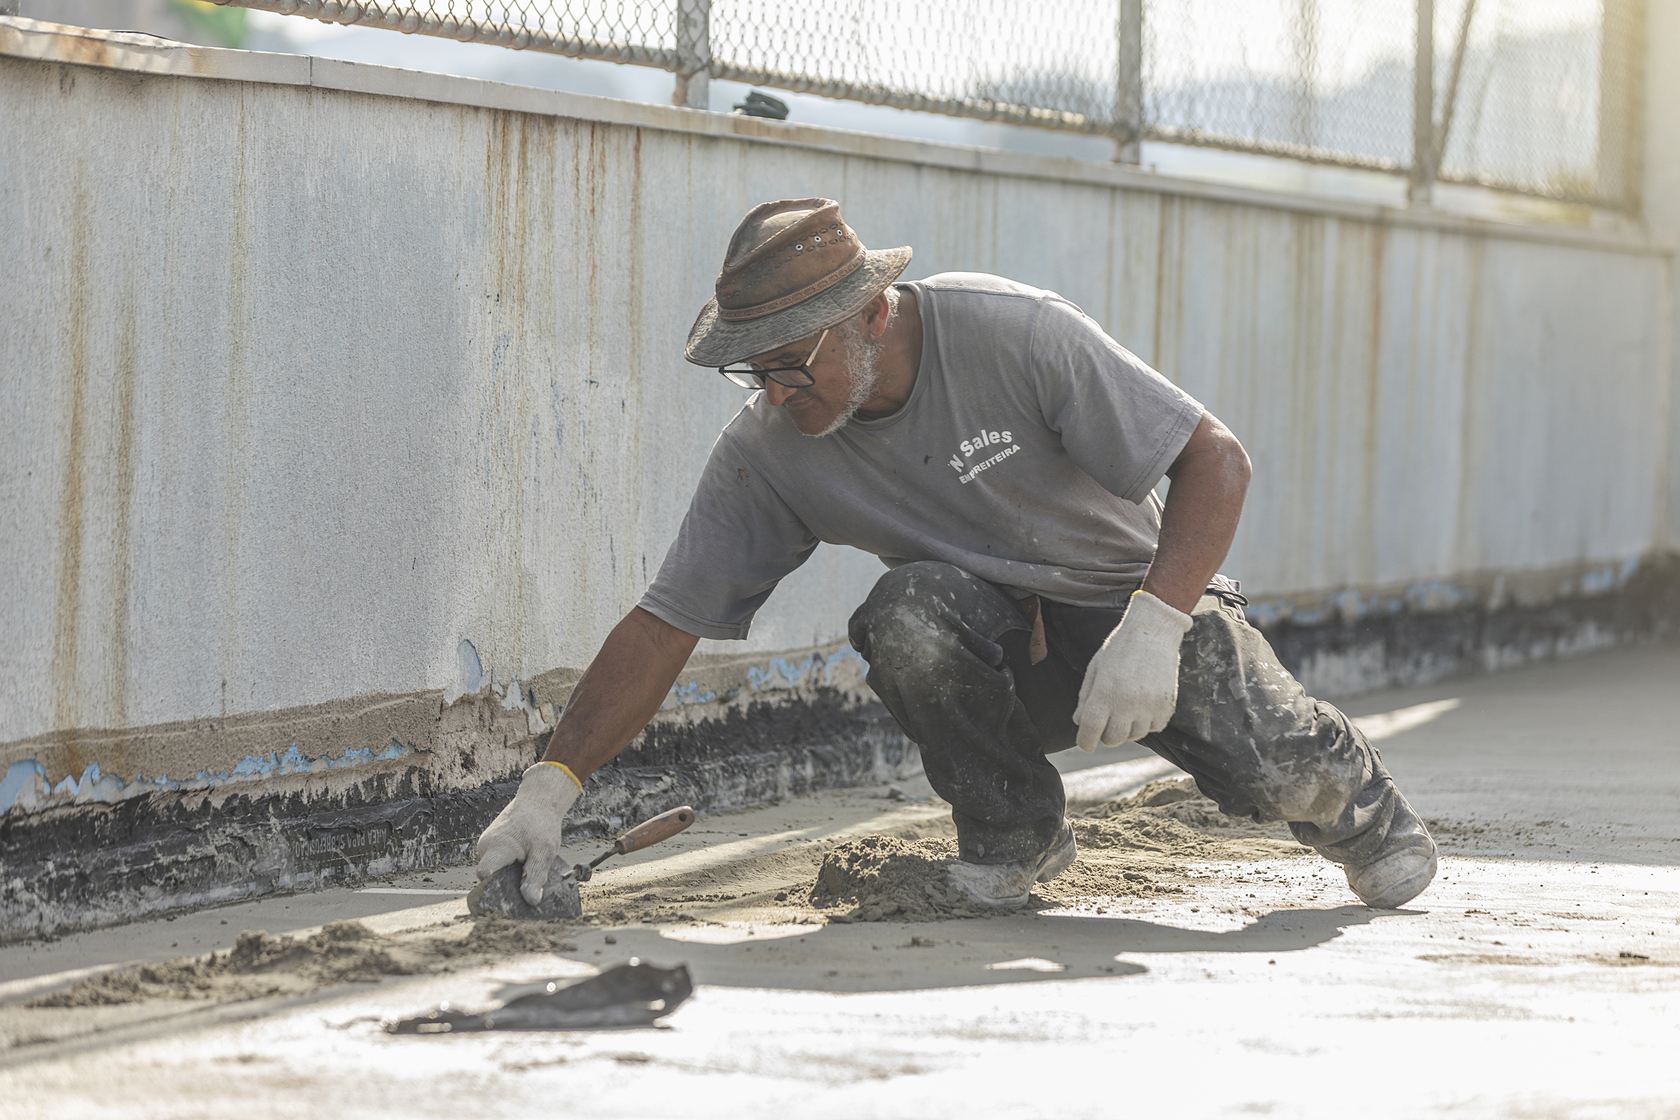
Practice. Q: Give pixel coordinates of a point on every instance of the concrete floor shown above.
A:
(1538, 977)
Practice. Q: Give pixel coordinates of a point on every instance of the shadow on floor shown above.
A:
(893, 956)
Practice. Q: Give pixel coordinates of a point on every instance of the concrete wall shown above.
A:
(334, 394)
(1662, 203)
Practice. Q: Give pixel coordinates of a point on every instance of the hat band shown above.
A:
(759, 310)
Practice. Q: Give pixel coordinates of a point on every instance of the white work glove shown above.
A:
(528, 830)
(1131, 685)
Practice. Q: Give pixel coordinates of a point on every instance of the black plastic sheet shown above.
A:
(629, 995)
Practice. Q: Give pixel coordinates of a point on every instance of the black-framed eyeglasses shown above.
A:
(791, 377)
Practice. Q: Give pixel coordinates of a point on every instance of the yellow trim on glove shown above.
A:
(566, 770)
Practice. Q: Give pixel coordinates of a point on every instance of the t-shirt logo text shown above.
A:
(985, 439)
(980, 443)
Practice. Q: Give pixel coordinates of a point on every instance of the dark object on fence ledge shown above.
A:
(630, 995)
(763, 105)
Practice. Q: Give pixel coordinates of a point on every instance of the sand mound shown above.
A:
(1130, 847)
(884, 878)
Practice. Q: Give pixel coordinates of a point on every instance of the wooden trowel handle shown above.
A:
(655, 829)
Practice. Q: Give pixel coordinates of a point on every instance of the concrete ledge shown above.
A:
(1389, 648)
(146, 54)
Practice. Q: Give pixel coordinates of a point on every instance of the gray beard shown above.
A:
(863, 373)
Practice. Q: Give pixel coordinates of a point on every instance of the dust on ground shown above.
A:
(1137, 846)
(260, 965)
(1132, 848)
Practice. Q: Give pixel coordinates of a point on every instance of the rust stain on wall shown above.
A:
(1466, 546)
(1373, 396)
(67, 607)
(520, 332)
(122, 501)
(631, 575)
(1307, 234)
(235, 396)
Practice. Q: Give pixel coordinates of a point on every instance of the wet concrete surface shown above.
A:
(1539, 976)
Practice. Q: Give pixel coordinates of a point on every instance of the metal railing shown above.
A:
(1540, 97)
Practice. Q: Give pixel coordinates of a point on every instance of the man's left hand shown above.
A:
(1131, 685)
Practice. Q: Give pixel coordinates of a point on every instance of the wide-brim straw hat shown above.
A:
(794, 268)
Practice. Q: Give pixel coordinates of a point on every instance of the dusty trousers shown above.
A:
(948, 655)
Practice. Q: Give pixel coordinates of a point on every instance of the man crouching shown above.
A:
(999, 452)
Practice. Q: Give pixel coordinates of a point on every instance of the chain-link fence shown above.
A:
(1535, 96)
(1014, 60)
(1328, 80)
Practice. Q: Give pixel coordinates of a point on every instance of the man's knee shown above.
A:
(908, 610)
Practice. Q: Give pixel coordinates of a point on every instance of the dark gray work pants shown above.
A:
(948, 656)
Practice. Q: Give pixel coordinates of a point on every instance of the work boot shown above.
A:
(1401, 868)
(1005, 886)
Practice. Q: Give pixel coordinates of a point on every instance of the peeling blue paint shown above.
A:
(18, 776)
(690, 694)
(469, 673)
(93, 784)
(780, 674)
(777, 676)
(1609, 577)
(1436, 595)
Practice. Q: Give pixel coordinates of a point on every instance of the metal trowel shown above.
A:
(499, 894)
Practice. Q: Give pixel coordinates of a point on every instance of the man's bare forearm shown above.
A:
(619, 692)
(1209, 481)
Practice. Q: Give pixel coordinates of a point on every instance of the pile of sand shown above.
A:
(1128, 848)
(884, 878)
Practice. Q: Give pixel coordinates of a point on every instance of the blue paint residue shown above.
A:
(777, 676)
(690, 694)
(93, 784)
(1609, 577)
(19, 775)
(470, 674)
(780, 674)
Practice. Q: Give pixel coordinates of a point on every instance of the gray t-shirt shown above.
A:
(1026, 455)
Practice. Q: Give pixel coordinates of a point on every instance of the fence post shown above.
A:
(1423, 106)
(694, 53)
(1128, 93)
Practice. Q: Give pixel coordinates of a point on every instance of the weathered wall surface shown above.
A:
(1662, 206)
(333, 394)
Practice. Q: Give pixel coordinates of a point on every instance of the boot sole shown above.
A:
(1059, 858)
(1397, 894)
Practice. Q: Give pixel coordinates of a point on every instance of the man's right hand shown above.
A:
(528, 830)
